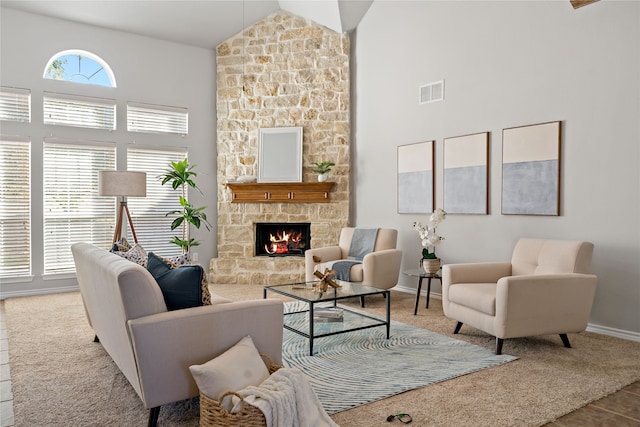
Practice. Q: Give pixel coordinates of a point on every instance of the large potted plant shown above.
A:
(180, 175)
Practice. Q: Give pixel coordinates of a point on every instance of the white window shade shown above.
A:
(153, 227)
(73, 211)
(157, 119)
(15, 207)
(79, 111)
(15, 104)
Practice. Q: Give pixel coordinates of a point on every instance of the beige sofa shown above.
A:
(545, 289)
(154, 347)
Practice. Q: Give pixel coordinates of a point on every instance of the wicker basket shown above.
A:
(212, 414)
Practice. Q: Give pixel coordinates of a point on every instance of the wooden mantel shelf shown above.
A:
(280, 192)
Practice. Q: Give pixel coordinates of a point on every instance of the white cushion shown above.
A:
(239, 367)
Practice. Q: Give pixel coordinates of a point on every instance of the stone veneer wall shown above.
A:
(295, 73)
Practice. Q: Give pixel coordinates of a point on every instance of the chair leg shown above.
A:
(499, 342)
(96, 339)
(565, 340)
(458, 326)
(153, 416)
(362, 301)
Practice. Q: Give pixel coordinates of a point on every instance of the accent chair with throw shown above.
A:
(545, 289)
(364, 255)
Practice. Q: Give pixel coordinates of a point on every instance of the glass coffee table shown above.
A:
(301, 320)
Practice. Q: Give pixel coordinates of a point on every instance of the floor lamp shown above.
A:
(122, 184)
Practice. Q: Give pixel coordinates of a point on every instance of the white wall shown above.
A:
(509, 64)
(147, 70)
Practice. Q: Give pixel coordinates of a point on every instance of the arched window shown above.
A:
(79, 66)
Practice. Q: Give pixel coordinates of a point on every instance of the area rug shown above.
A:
(354, 368)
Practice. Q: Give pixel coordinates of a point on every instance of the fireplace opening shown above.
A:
(282, 238)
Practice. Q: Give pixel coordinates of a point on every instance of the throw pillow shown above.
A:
(121, 245)
(136, 254)
(181, 287)
(237, 368)
(180, 260)
(185, 259)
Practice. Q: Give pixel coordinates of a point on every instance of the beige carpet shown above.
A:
(60, 377)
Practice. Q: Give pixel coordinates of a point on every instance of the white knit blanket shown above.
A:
(287, 400)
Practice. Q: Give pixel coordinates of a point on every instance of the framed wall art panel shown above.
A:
(531, 169)
(280, 154)
(466, 176)
(416, 177)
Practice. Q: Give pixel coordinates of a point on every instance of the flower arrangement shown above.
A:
(427, 233)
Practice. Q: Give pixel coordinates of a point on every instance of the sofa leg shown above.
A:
(499, 342)
(458, 326)
(565, 340)
(153, 416)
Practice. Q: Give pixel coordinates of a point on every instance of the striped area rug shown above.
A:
(354, 368)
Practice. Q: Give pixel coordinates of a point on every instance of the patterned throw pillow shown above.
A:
(136, 254)
(121, 245)
(180, 260)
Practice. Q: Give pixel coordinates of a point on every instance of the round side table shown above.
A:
(421, 274)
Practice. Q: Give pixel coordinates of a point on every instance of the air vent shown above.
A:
(432, 92)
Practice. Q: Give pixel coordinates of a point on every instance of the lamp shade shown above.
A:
(122, 183)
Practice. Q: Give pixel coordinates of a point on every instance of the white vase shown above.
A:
(322, 177)
(431, 265)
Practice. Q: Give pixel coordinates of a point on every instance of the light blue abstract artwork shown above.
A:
(415, 178)
(531, 170)
(465, 174)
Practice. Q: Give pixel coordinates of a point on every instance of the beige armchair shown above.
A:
(545, 289)
(379, 268)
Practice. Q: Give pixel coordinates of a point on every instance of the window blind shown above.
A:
(73, 211)
(79, 111)
(15, 104)
(157, 119)
(15, 207)
(153, 228)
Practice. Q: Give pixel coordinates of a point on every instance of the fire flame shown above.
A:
(282, 242)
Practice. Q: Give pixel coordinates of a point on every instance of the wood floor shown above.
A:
(621, 409)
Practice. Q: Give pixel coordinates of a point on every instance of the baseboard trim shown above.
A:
(596, 329)
(613, 332)
(33, 292)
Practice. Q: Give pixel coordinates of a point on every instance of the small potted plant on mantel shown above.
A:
(322, 168)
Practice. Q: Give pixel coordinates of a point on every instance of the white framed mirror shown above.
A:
(280, 154)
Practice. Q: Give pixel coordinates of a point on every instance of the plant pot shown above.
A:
(431, 265)
(322, 177)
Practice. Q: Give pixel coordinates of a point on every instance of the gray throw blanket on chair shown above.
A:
(362, 243)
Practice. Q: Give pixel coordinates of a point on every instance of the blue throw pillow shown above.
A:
(181, 287)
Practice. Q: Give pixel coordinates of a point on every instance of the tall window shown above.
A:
(79, 66)
(153, 227)
(157, 119)
(79, 111)
(15, 104)
(73, 211)
(15, 207)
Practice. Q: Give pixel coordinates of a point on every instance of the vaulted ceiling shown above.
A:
(197, 23)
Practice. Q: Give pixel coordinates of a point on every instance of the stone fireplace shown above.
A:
(282, 71)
